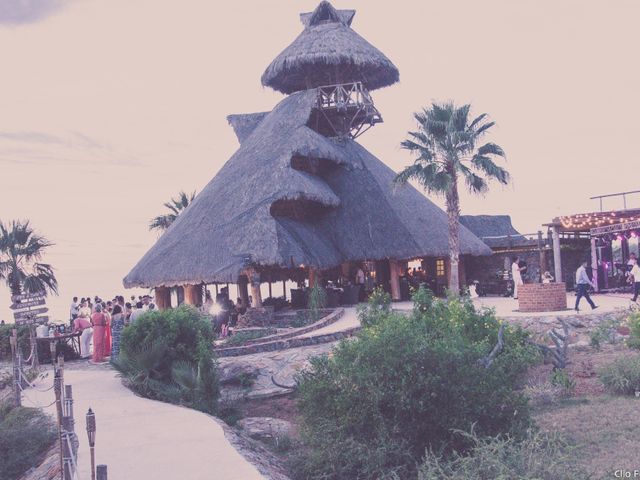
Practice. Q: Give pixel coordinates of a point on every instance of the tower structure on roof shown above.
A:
(301, 196)
(344, 68)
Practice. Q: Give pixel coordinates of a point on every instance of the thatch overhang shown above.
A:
(361, 215)
(328, 52)
(496, 231)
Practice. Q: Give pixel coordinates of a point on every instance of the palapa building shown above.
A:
(300, 197)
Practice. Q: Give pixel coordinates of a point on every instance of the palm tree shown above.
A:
(446, 149)
(176, 206)
(20, 251)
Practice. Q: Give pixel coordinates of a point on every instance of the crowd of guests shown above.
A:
(100, 323)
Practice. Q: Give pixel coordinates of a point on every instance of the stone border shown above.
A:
(285, 344)
(333, 317)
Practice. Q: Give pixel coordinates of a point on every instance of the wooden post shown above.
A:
(270, 292)
(313, 276)
(462, 273)
(557, 260)
(33, 344)
(243, 290)
(193, 295)
(13, 341)
(284, 289)
(394, 280)
(163, 298)
(255, 288)
(101, 471)
(594, 264)
(217, 291)
(543, 257)
(57, 388)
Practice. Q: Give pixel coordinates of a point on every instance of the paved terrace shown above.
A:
(508, 307)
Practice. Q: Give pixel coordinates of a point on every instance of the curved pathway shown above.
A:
(139, 438)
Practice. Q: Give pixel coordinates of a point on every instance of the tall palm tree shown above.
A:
(446, 147)
(20, 252)
(176, 206)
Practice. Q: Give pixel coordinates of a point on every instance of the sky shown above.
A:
(108, 108)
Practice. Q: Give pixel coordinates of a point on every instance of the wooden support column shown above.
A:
(313, 276)
(163, 298)
(462, 274)
(193, 295)
(594, 264)
(255, 288)
(557, 260)
(270, 290)
(394, 273)
(284, 289)
(243, 290)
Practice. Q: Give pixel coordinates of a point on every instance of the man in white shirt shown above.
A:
(74, 309)
(635, 273)
(583, 282)
(516, 276)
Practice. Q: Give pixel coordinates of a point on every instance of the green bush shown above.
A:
(168, 355)
(25, 436)
(377, 308)
(634, 326)
(317, 301)
(538, 456)
(404, 384)
(622, 376)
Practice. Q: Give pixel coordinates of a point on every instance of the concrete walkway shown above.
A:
(143, 439)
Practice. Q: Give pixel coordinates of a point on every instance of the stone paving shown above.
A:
(139, 438)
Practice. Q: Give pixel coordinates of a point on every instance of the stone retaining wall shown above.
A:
(542, 297)
(284, 344)
(251, 346)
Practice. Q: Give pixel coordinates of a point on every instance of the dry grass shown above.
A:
(606, 431)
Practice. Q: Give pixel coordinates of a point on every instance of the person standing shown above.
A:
(583, 282)
(117, 325)
(516, 276)
(74, 310)
(99, 322)
(635, 274)
(83, 325)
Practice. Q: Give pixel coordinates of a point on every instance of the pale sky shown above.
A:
(110, 107)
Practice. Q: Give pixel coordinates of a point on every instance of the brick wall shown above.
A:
(542, 297)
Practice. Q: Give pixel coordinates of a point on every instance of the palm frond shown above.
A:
(487, 166)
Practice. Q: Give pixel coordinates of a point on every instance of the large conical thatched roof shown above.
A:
(360, 215)
(328, 52)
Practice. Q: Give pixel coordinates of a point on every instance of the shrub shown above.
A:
(622, 376)
(167, 355)
(377, 308)
(538, 456)
(239, 338)
(604, 332)
(560, 378)
(317, 301)
(25, 436)
(404, 384)
(634, 327)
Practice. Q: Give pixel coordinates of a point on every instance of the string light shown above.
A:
(586, 221)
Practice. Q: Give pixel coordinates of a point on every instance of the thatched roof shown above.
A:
(328, 52)
(495, 230)
(362, 215)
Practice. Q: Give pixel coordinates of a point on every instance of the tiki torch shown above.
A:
(91, 433)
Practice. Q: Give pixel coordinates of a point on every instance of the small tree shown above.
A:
(446, 148)
(176, 206)
(20, 252)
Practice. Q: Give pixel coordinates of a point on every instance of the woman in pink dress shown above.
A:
(99, 322)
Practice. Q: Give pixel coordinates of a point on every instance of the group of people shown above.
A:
(101, 323)
(583, 281)
(224, 311)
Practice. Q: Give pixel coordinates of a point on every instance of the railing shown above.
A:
(621, 194)
(347, 107)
